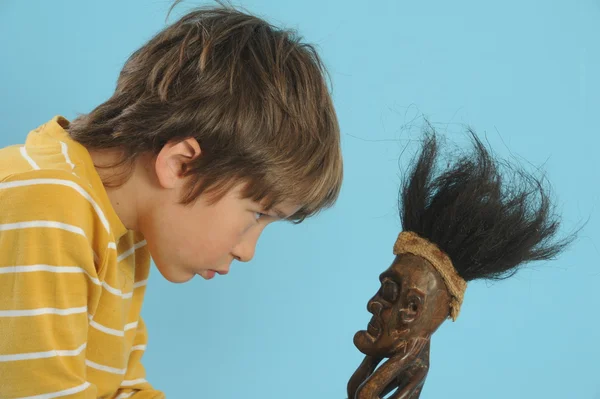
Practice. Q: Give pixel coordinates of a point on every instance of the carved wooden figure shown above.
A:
(466, 221)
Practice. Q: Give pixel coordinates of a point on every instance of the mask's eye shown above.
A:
(413, 306)
(389, 290)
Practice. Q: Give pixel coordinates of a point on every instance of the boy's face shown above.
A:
(203, 239)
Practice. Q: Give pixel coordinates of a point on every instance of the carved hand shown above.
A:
(405, 372)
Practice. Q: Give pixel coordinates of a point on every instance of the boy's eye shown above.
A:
(259, 215)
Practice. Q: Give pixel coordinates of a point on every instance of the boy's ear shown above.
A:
(171, 162)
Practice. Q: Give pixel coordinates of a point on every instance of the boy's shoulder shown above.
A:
(46, 148)
(54, 177)
(51, 192)
(12, 162)
(56, 205)
(44, 166)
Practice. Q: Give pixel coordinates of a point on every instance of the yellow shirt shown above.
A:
(72, 277)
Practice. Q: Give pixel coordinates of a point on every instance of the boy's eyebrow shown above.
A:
(280, 214)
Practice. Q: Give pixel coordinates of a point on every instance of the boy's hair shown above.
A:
(254, 96)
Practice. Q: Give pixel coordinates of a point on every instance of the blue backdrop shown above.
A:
(525, 73)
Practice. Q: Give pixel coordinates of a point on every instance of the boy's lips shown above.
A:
(209, 274)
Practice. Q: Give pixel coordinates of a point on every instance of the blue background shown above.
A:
(524, 73)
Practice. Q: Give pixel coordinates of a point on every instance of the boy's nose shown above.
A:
(244, 251)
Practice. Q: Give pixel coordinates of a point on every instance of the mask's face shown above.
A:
(411, 302)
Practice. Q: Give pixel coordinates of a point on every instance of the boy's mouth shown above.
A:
(209, 274)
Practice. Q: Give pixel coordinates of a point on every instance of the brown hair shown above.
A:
(254, 96)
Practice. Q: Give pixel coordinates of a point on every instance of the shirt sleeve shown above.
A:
(49, 280)
(135, 384)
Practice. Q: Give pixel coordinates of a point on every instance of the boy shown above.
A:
(219, 125)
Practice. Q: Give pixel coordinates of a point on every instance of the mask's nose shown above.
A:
(375, 307)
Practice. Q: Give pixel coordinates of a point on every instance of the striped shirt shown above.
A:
(72, 277)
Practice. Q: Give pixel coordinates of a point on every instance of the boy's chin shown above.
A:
(175, 275)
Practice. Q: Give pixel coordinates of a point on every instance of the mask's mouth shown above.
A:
(374, 328)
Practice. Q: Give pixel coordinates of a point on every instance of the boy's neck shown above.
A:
(124, 195)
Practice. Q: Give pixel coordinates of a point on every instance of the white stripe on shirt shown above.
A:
(111, 331)
(66, 270)
(60, 394)
(65, 152)
(106, 330)
(60, 182)
(131, 250)
(108, 369)
(42, 223)
(47, 268)
(140, 284)
(42, 311)
(41, 355)
(116, 291)
(29, 159)
(129, 383)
